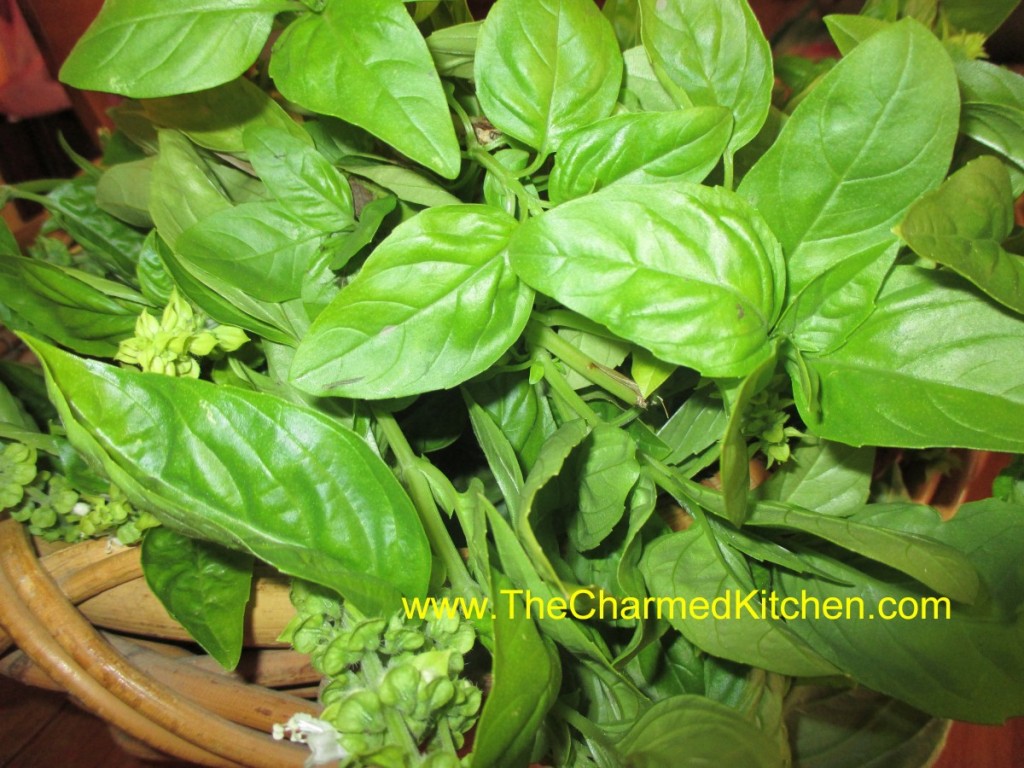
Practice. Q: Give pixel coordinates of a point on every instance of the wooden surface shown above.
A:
(40, 729)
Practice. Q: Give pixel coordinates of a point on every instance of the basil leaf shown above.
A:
(72, 207)
(834, 303)
(154, 279)
(527, 678)
(734, 457)
(700, 256)
(715, 54)
(435, 304)
(406, 184)
(607, 468)
(642, 84)
(183, 189)
(711, 732)
(227, 309)
(690, 566)
(938, 566)
(858, 728)
(851, 160)
(305, 184)
(828, 477)
(454, 49)
(216, 118)
(993, 108)
(683, 145)
(204, 587)
(936, 364)
(220, 463)
(123, 192)
(147, 48)
(848, 31)
(71, 310)
(971, 15)
(257, 247)
(500, 455)
(966, 666)
(963, 224)
(366, 62)
(545, 68)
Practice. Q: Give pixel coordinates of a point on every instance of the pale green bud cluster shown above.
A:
(17, 470)
(394, 694)
(766, 421)
(171, 345)
(55, 511)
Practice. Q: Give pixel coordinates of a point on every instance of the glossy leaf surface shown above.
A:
(851, 159)
(936, 364)
(682, 145)
(148, 48)
(935, 664)
(204, 587)
(248, 471)
(689, 272)
(715, 54)
(963, 225)
(546, 67)
(435, 304)
(366, 62)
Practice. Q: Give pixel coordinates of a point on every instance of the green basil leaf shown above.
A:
(147, 48)
(344, 247)
(993, 108)
(851, 160)
(527, 678)
(229, 308)
(216, 118)
(701, 256)
(695, 427)
(830, 478)
(257, 247)
(204, 587)
(523, 415)
(936, 364)
(683, 145)
(938, 566)
(545, 68)
(857, 728)
(963, 224)
(155, 281)
(649, 372)
(220, 463)
(72, 206)
(971, 15)
(123, 191)
(848, 30)
(967, 666)
(500, 455)
(715, 54)
(641, 83)
(624, 16)
(690, 566)
(59, 302)
(833, 304)
(442, 275)
(183, 189)
(8, 244)
(305, 184)
(712, 733)
(454, 49)
(607, 467)
(366, 62)
(406, 184)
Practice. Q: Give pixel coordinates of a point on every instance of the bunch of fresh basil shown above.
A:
(513, 288)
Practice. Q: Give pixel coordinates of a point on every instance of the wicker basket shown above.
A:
(80, 616)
